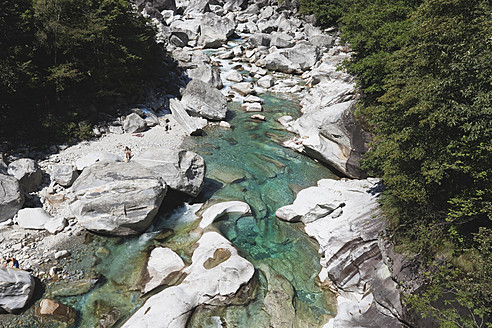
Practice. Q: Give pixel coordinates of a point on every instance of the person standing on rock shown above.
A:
(128, 154)
(12, 263)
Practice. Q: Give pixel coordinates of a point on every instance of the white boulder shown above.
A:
(32, 218)
(217, 210)
(162, 263)
(217, 272)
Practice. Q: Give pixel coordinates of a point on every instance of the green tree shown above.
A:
(67, 55)
(16, 44)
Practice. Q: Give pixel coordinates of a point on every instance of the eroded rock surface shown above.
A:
(27, 172)
(162, 263)
(117, 198)
(217, 210)
(11, 197)
(217, 272)
(181, 170)
(16, 288)
(342, 216)
(204, 100)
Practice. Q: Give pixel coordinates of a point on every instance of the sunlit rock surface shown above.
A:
(342, 216)
(217, 272)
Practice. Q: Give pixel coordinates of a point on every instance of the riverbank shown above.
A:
(277, 57)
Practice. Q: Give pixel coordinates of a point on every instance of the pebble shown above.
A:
(61, 254)
(53, 271)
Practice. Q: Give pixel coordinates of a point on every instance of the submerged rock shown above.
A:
(117, 198)
(217, 210)
(16, 288)
(181, 170)
(11, 197)
(72, 288)
(56, 311)
(216, 274)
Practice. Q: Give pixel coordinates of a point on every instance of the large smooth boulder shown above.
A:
(134, 123)
(32, 218)
(201, 99)
(63, 174)
(297, 59)
(243, 88)
(11, 197)
(217, 210)
(331, 134)
(189, 26)
(343, 218)
(276, 61)
(181, 170)
(281, 40)
(259, 39)
(16, 288)
(207, 74)
(251, 107)
(95, 157)
(265, 82)
(117, 198)
(214, 30)
(27, 172)
(162, 264)
(191, 125)
(235, 77)
(302, 54)
(215, 275)
(199, 6)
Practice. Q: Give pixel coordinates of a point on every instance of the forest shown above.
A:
(423, 69)
(69, 56)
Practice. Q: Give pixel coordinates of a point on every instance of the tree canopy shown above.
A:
(67, 54)
(423, 70)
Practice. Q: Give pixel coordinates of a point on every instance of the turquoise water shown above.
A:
(245, 163)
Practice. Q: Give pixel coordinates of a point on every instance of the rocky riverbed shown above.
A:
(96, 204)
